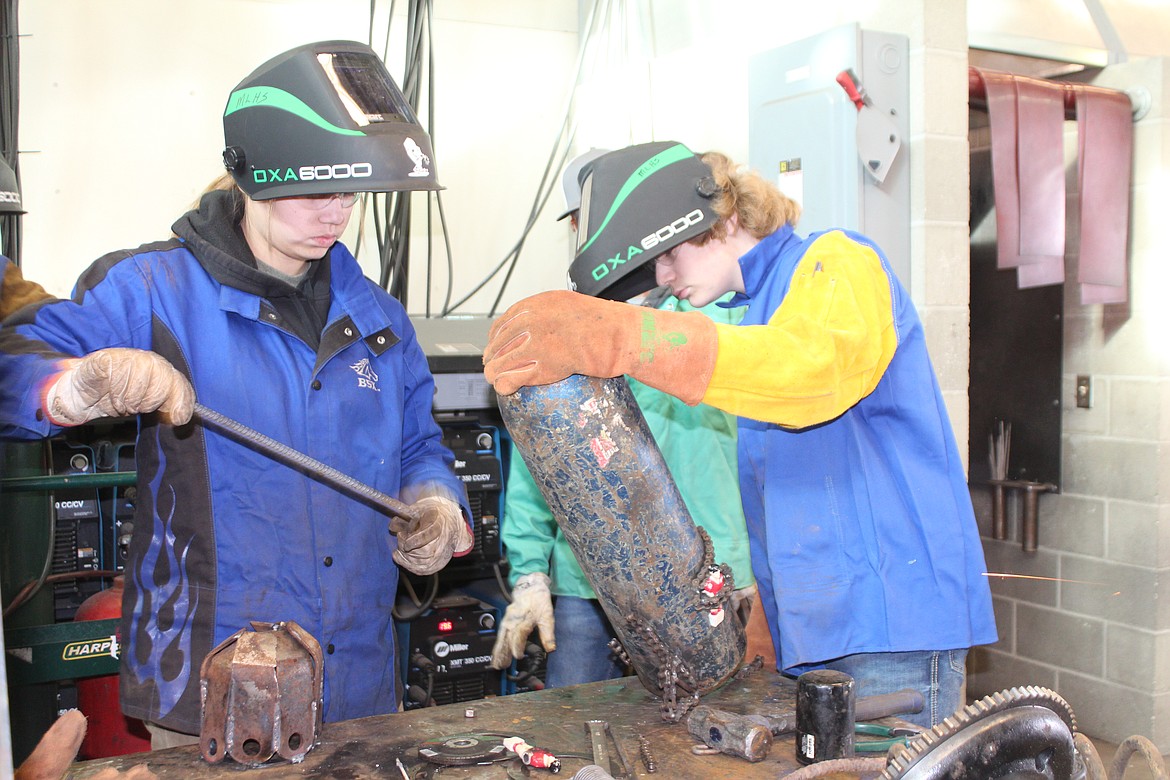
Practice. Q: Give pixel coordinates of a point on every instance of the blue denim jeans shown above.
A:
(941, 676)
(583, 634)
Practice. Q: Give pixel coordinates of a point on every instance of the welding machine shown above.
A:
(476, 448)
(465, 408)
(92, 525)
(450, 652)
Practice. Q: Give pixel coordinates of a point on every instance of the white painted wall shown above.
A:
(1066, 28)
(121, 102)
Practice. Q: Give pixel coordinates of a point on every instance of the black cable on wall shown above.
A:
(598, 32)
(10, 223)
(391, 211)
(606, 25)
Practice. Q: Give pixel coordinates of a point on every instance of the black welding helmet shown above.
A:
(637, 203)
(9, 190)
(571, 180)
(322, 118)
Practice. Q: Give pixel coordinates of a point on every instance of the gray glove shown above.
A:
(426, 546)
(531, 607)
(116, 382)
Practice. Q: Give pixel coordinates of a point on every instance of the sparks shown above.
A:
(1048, 579)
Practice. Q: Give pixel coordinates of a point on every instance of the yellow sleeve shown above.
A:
(825, 347)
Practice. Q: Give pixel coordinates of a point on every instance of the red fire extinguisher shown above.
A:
(108, 732)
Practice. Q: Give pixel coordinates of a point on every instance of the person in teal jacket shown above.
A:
(698, 444)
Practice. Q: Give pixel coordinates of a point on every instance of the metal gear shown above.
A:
(1021, 733)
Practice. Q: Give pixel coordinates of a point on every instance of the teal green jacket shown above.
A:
(699, 446)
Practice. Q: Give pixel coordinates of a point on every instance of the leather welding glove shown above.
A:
(17, 292)
(552, 335)
(531, 607)
(116, 382)
(441, 531)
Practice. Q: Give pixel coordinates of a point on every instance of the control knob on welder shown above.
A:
(483, 441)
(487, 621)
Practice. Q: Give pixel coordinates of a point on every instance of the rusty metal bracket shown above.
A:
(261, 695)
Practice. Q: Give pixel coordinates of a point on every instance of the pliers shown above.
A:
(893, 735)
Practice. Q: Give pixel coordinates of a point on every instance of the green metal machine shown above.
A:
(41, 651)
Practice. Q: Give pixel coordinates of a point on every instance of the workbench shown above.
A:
(553, 719)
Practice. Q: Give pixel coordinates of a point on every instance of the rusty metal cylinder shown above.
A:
(597, 465)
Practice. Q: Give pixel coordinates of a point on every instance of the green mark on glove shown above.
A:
(651, 338)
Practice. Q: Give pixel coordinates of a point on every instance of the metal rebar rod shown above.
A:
(312, 466)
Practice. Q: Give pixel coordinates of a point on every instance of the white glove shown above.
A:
(531, 607)
(116, 382)
(440, 533)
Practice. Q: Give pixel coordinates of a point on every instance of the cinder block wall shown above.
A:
(1098, 631)
(937, 154)
(939, 233)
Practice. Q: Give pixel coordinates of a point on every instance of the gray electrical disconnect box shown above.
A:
(803, 132)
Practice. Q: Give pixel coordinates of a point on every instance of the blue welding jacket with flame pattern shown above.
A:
(223, 535)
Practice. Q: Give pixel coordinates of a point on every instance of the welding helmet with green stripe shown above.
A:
(637, 203)
(9, 190)
(322, 118)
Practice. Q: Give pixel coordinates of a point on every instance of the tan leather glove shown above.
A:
(116, 382)
(426, 546)
(17, 292)
(531, 607)
(552, 335)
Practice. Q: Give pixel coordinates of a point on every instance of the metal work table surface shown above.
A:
(551, 719)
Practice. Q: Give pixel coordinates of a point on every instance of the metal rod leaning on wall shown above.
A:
(1030, 525)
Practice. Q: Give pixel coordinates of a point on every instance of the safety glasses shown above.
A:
(320, 201)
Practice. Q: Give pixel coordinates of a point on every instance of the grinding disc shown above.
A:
(461, 749)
